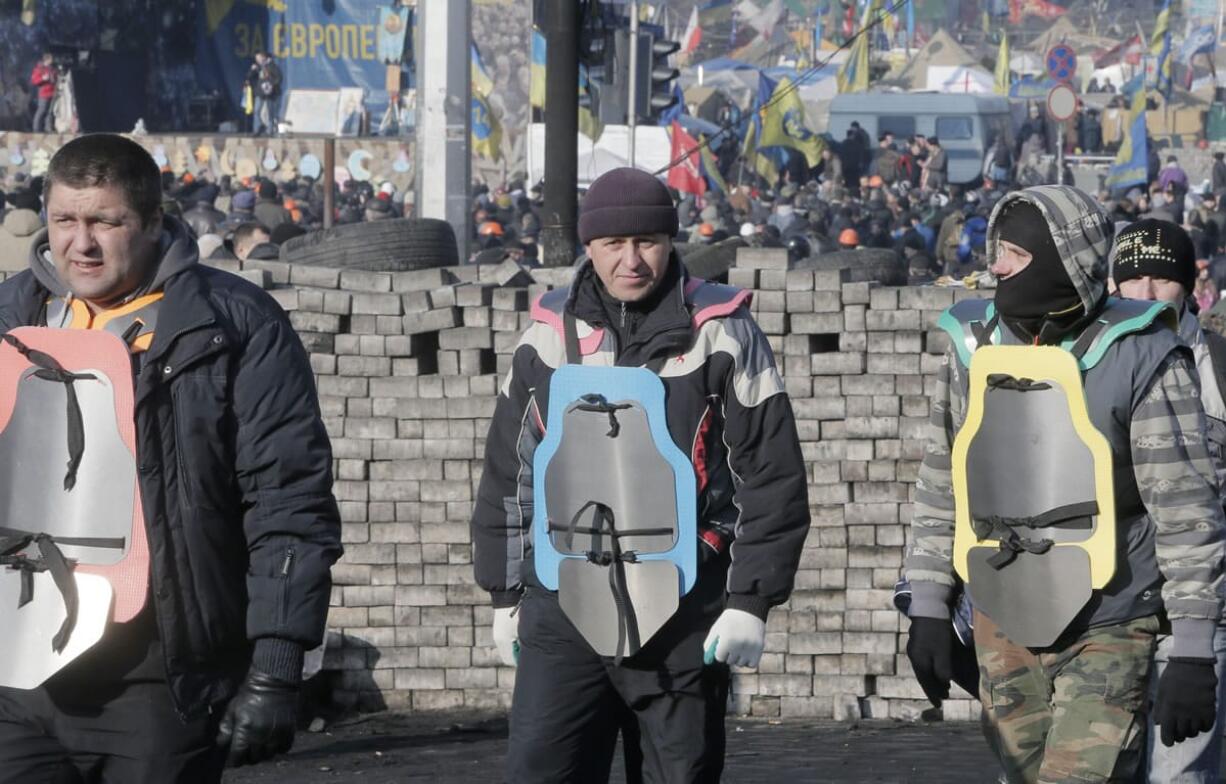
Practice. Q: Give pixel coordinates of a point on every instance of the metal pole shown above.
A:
(1060, 153)
(632, 92)
(444, 156)
(558, 238)
(329, 181)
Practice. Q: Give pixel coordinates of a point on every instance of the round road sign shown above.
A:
(1061, 102)
(1061, 63)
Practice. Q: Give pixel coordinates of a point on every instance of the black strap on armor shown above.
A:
(49, 369)
(983, 332)
(615, 558)
(574, 356)
(50, 559)
(1006, 381)
(1011, 545)
(598, 404)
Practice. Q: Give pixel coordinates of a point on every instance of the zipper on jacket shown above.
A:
(287, 562)
(623, 315)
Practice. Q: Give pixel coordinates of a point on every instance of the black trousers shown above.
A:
(570, 703)
(107, 718)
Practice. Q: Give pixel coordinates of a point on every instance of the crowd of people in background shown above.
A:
(890, 195)
(893, 194)
(233, 219)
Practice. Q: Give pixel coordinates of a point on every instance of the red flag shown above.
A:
(686, 176)
(692, 37)
(1126, 51)
(1041, 8)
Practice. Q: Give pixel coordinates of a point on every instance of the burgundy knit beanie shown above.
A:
(624, 203)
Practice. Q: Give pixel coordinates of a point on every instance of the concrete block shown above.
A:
(310, 275)
(762, 258)
(376, 304)
(364, 280)
(431, 321)
(421, 280)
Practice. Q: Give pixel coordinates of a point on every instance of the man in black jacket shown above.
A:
(633, 305)
(234, 477)
(264, 78)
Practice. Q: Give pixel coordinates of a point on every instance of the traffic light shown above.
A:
(660, 96)
(653, 77)
(593, 69)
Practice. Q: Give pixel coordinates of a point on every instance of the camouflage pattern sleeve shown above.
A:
(1178, 484)
(929, 562)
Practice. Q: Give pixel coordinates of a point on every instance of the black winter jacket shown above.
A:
(235, 473)
(725, 407)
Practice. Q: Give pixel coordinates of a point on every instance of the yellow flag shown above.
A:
(853, 73)
(783, 124)
(482, 83)
(486, 130)
(1002, 66)
(536, 90)
(762, 163)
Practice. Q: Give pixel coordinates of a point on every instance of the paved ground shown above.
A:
(394, 749)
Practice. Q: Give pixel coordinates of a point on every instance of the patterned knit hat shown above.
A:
(1157, 248)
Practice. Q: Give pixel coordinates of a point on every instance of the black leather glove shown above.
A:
(1187, 699)
(930, 649)
(260, 721)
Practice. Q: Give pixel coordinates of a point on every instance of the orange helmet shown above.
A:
(849, 238)
(706, 230)
(490, 228)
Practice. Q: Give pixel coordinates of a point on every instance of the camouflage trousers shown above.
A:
(1074, 712)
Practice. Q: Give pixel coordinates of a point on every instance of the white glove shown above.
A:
(737, 638)
(506, 634)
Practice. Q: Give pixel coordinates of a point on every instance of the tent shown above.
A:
(1064, 31)
(941, 52)
(960, 79)
(1026, 63)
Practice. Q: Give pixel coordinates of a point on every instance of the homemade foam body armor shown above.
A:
(73, 553)
(1034, 492)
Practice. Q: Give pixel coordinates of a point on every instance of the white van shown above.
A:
(966, 124)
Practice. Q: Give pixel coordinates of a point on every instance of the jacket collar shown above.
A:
(667, 317)
(186, 306)
(668, 309)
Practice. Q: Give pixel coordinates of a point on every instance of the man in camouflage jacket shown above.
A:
(1075, 711)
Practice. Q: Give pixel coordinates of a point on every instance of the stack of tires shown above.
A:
(394, 245)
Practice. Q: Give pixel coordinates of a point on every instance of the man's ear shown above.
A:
(154, 224)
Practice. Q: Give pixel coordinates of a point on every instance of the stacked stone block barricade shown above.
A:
(408, 367)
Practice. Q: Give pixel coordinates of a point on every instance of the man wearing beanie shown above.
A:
(610, 597)
(1156, 260)
(1067, 482)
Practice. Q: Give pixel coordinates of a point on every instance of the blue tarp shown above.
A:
(726, 64)
(1031, 88)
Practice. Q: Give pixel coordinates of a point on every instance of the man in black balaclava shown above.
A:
(1035, 296)
(1046, 630)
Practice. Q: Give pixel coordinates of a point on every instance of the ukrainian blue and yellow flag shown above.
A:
(1131, 163)
(783, 124)
(486, 130)
(483, 84)
(710, 170)
(536, 93)
(763, 162)
(1160, 48)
